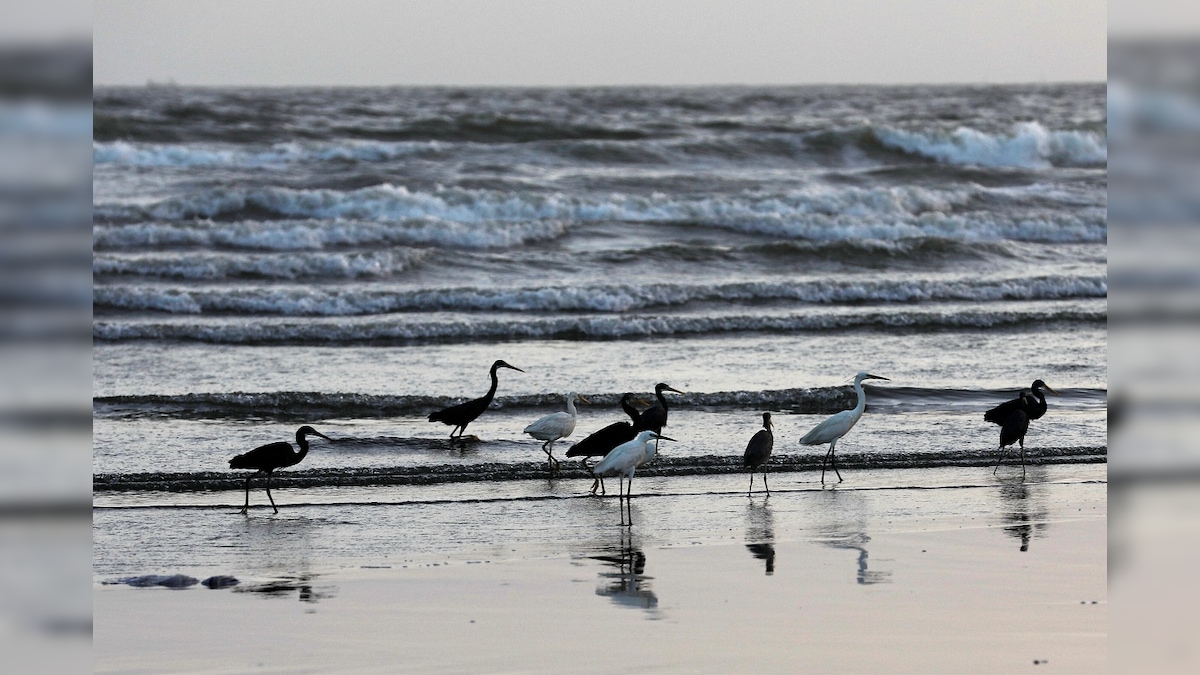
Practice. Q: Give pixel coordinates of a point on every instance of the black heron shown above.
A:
(654, 418)
(758, 451)
(267, 458)
(1015, 426)
(626, 458)
(603, 441)
(999, 415)
(838, 425)
(459, 416)
(555, 426)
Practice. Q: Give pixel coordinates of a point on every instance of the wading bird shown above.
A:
(603, 441)
(267, 458)
(555, 426)
(624, 461)
(758, 451)
(1015, 426)
(837, 425)
(654, 418)
(459, 416)
(1034, 408)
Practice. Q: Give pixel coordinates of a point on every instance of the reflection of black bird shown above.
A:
(459, 416)
(764, 552)
(654, 418)
(1015, 426)
(1034, 406)
(267, 458)
(758, 451)
(603, 441)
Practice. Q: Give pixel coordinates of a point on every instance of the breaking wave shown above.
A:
(1030, 145)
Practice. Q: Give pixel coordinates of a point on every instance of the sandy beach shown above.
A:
(896, 571)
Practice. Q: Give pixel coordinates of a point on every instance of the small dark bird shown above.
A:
(1033, 409)
(1015, 427)
(267, 458)
(758, 451)
(654, 418)
(603, 441)
(459, 416)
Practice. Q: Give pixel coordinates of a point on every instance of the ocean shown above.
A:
(355, 259)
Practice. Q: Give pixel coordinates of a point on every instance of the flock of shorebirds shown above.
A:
(621, 447)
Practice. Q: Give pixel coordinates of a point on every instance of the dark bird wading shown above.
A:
(1014, 417)
(459, 416)
(600, 443)
(267, 458)
(758, 451)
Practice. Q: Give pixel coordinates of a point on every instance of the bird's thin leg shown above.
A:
(269, 493)
(824, 460)
(1022, 458)
(629, 500)
(246, 506)
(1003, 452)
(833, 459)
(765, 486)
(750, 489)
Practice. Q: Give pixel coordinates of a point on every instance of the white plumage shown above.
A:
(626, 458)
(555, 426)
(838, 425)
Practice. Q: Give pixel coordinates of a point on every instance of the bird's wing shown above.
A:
(758, 447)
(263, 455)
(552, 422)
(603, 441)
(622, 457)
(1001, 413)
(832, 427)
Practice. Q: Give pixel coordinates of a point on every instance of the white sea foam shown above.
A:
(617, 298)
(188, 155)
(810, 212)
(1030, 145)
(214, 266)
(312, 235)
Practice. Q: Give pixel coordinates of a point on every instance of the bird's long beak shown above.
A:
(876, 377)
(664, 438)
(673, 389)
(317, 433)
(1051, 390)
(513, 367)
(582, 399)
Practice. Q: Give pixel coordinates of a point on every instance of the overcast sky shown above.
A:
(596, 42)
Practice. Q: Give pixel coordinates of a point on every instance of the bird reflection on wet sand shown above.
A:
(1024, 509)
(283, 587)
(845, 530)
(760, 534)
(624, 582)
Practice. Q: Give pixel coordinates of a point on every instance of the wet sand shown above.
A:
(966, 576)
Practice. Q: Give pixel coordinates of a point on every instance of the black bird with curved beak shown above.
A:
(758, 451)
(1034, 407)
(1015, 427)
(267, 458)
(603, 441)
(459, 416)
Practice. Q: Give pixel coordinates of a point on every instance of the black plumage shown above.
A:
(267, 458)
(654, 418)
(1034, 407)
(1015, 427)
(603, 441)
(459, 416)
(758, 451)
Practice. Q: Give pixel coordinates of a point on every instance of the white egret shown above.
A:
(758, 451)
(624, 461)
(603, 441)
(555, 426)
(837, 425)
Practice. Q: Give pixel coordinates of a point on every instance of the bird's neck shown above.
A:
(301, 441)
(571, 406)
(662, 400)
(629, 410)
(862, 398)
(495, 383)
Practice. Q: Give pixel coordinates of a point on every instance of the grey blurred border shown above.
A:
(45, 337)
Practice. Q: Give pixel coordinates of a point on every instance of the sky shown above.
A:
(596, 42)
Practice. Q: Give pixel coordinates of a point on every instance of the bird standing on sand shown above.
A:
(838, 425)
(603, 441)
(555, 426)
(267, 458)
(625, 459)
(1014, 427)
(459, 416)
(758, 451)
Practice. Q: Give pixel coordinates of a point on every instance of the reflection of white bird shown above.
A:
(626, 458)
(555, 426)
(838, 425)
